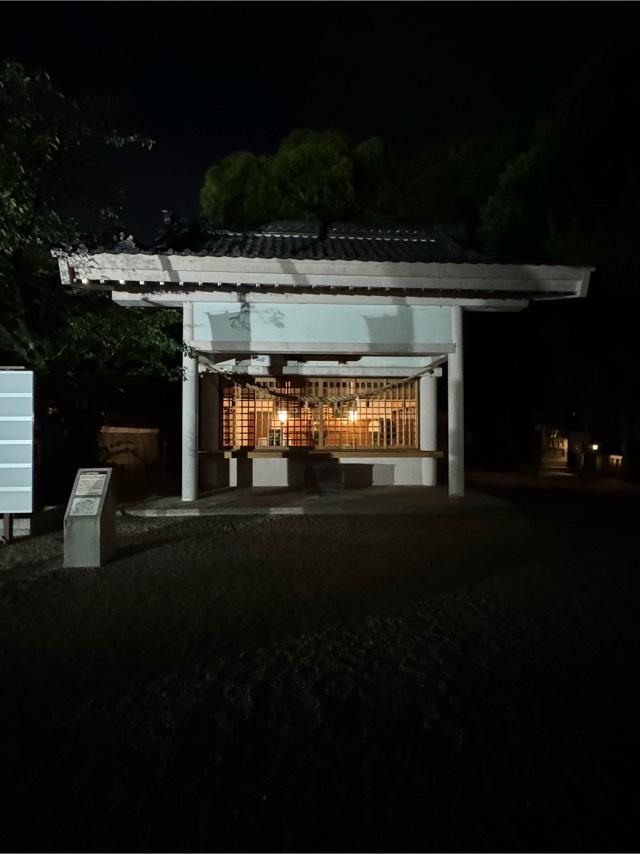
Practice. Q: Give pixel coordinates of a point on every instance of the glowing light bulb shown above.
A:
(282, 415)
(353, 415)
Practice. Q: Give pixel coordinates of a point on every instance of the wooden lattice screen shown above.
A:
(387, 419)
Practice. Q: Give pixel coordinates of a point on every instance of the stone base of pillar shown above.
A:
(429, 468)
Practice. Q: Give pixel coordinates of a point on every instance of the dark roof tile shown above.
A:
(302, 241)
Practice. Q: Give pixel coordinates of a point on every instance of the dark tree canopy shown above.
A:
(573, 195)
(313, 175)
(325, 176)
(50, 147)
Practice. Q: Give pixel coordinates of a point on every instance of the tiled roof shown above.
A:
(298, 241)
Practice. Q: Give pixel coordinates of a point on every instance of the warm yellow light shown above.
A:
(282, 415)
(353, 415)
(595, 446)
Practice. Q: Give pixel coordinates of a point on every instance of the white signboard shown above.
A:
(85, 506)
(16, 441)
(88, 489)
(90, 519)
(91, 483)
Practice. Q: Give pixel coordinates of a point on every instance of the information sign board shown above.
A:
(89, 523)
(16, 441)
(91, 483)
(85, 506)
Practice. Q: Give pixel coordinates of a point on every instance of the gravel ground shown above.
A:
(363, 683)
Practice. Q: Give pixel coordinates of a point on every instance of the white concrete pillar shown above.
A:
(189, 411)
(456, 407)
(428, 408)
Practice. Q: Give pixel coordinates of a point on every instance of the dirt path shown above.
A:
(264, 684)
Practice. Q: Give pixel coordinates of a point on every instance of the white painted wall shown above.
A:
(278, 471)
(280, 328)
(271, 472)
(282, 471)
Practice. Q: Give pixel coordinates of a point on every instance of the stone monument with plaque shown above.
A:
(90, 519)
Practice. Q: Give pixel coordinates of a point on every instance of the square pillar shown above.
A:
(189, 410)
(455, 382)
(213, 468)
(209, 411)
(428, 413)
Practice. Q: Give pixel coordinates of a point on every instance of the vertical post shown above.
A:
(8, 528)
(209, 464)
(189, 410)
(209, 412)
(320, 415)
(456, 407)
(428, 413)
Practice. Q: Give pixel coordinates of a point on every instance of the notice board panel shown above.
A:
(16, 441)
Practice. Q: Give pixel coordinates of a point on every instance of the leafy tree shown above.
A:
(452, 179)
(573, 197)
(516, 221)
(48, 145)
(378, 183)
(323, 175)
(312, 175)
(82, 346)
(229, 186)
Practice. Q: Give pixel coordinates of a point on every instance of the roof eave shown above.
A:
(177, 270)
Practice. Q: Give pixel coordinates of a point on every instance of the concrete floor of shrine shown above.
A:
(384, 500)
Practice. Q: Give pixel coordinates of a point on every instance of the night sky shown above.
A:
(205, 79)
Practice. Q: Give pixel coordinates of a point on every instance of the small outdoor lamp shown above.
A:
(595, 446)
(282, 415)
(353, 415)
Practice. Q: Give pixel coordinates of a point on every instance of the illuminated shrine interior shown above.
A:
(377, 416)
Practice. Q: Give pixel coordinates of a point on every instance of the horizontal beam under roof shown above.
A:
(158, 271)
(176, 299)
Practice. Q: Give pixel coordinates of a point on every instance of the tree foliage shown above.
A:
(312, 173)
(317, 175)
(48, 144)
(378, 183)
(449, 183)
(324, 175)
(573, 195)
(231, 187)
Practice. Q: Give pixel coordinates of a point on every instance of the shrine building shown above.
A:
(302, 343)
